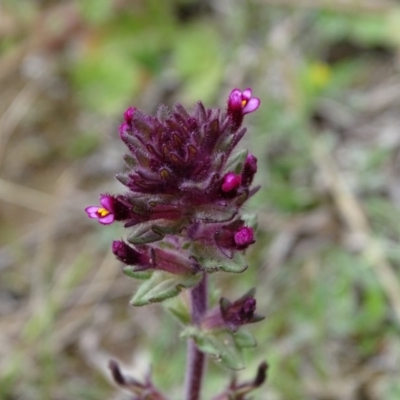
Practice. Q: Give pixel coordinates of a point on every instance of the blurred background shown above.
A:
(327, 136)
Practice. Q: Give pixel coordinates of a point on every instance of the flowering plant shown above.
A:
(182, 208)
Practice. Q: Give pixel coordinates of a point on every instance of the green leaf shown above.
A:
(236, 162)
(199, 186)
(147, 236)
(170, 227)
(179, 310)
(224, 143)
(221, 345)
(211, 259)
(142, 275)
(130, 161)
(222, 348)
(236, 265)
(152, 231)
(162, 286)
(214, 213)
(244, 339)
(250, 220)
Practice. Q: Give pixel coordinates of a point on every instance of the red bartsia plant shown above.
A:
(185, 190)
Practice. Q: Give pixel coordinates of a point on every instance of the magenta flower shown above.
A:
(243, 101)
(104, 214)
(114, 208)
(249, 103)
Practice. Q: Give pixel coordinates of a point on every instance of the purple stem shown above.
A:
(195, 358)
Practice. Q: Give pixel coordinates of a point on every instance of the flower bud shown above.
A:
(172, 262)
(128, 114)
(240, 312)
(231, 182)
(249, 169)
(232, 315)
(244, 237)
(129, 256)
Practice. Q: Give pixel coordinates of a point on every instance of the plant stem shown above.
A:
(195, 358)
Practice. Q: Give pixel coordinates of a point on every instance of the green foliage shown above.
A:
(236, 162)
(179, 310)
(106, 78)
(198, 59)
(82, 145)
(95, 11)
(211, 260)
(150, 231)
(224, 346)
(141, 275)
(161, 286)
(364, 29)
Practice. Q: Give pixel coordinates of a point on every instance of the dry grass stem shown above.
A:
(352, 213)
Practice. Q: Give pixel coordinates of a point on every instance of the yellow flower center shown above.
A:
(244, 102)
(103, 212)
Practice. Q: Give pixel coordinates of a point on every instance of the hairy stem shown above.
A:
(195, 358)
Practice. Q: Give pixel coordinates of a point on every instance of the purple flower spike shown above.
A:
(104, 214)
(128, 114)
(231, 182)
(244, 237)
(183, 180)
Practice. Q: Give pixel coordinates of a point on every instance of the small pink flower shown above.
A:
(105, 214)
(243, 101)
(231, 182)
